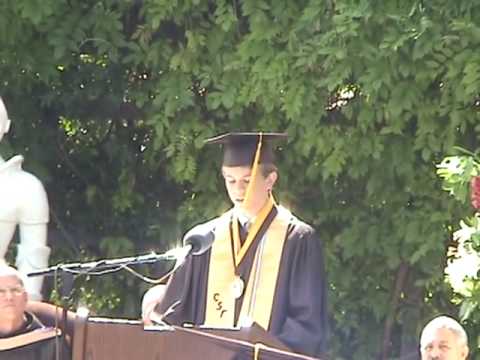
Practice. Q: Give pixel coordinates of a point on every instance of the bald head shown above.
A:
(443, 338)
(9, 271)
(4, 120)
(13, 300)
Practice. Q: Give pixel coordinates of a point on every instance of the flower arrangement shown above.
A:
(461, 178)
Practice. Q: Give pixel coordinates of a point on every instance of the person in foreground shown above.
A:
(265, 265)
(22, 335)
(443, 338)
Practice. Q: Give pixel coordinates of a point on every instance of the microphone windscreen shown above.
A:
(200, 237)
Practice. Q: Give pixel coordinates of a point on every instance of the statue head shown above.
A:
(4, 120)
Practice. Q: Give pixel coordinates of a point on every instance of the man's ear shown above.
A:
(272, 179)
(465, 352)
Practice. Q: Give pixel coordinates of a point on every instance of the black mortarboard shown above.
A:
(239, 148)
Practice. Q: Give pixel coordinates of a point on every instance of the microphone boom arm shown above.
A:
(104, 264)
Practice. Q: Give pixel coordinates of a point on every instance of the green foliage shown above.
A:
(111, 102)
(456, 172)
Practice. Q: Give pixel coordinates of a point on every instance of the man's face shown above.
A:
(237, 179)
(443, 344)
(13, 298)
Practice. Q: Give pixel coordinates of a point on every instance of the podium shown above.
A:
(121, 339)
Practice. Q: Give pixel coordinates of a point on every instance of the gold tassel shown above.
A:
(253, 175)
(256, 350)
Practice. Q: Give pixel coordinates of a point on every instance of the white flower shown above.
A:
(466, 263)
(464, 234)
(452, 164)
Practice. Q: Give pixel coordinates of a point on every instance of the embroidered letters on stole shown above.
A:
(220, 309)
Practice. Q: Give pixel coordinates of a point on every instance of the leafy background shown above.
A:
(111, 101)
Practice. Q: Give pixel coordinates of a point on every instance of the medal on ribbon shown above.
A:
(237, 287)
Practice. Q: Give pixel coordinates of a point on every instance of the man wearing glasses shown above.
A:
(22, 335)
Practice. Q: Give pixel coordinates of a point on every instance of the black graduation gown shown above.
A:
(299, 312)
(41, 350)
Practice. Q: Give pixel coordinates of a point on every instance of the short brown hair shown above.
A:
(268, 168)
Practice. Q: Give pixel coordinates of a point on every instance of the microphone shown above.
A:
(200, 238)
(196, 241)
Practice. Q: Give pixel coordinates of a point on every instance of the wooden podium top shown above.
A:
(105, 338)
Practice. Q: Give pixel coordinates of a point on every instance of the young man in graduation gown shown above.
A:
(22, 335)
(265, 265)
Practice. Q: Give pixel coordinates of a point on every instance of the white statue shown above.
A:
(23, 201)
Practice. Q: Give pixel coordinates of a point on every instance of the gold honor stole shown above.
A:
(28, 338)
(220, 307)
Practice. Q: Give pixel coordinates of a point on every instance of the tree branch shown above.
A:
(402, 272)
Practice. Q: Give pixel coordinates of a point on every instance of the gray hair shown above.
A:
(7, 270)
(444, 322)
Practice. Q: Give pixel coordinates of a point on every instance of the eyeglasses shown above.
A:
(15, 291)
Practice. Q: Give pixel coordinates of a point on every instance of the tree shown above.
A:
(372, 94)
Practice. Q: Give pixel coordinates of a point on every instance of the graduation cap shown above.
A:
(240, 148)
